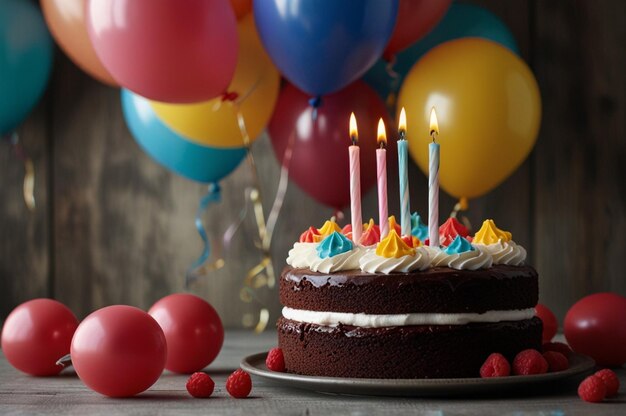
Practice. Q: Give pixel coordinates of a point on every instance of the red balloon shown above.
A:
(36, 334)
(596, 326)
(193, 331)
(164, 50)
(550, 323)
(119, 351)
(319, 162)
(415, 19)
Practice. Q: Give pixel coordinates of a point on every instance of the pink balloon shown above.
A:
(166, 50)
(415, 19)
(119, 351)
(319, 163)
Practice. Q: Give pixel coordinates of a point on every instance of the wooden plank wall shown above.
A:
(111, 226)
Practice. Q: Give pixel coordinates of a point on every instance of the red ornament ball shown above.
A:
(119, 351)
(36, 334)
(193, 330)
(596, 326)
(550, 323)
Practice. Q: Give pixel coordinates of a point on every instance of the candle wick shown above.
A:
(353, 137)
(402, 135)
(433, 135)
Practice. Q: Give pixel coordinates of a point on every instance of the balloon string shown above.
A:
(28, 187)
(462, 205)
(199, 267)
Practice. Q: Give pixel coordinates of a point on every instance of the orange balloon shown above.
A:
(66, 21)
(241, 7)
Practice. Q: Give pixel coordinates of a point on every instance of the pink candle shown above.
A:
(381, 169)
(355, 182)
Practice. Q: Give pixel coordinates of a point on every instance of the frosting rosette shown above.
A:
(418, 229)
(392, 254)
(301, 255)
(450, 229)
(335, 253)
(499, 244)
(460, 255)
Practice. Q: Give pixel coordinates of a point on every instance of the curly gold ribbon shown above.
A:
(28, 187)
(462, 205)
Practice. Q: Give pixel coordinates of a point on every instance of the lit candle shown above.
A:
(403, 170)
(355, 182)
(433, 182)
(381, 169)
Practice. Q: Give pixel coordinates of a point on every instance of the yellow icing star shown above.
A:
(327, 229)
(392, 246)
(393, 225)
(490, 234)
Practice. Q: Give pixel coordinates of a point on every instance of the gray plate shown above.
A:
(448, 387)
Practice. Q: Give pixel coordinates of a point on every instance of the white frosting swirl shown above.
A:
(505, 252)
(381, 320)
(469, 260)
(373, 263)
(344, 261)
(301, 255)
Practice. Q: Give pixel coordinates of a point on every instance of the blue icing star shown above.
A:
(334, 244)
(418, 229)
(459, 245)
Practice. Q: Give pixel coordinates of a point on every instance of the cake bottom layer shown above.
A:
(420, 351)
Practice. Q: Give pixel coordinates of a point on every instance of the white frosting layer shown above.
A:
(301, 254)
(379, 321)
(373, 263)
(470, 260)
(344, 261)
(504, 252)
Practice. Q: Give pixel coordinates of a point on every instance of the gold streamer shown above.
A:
(462, 205)
(28, 187)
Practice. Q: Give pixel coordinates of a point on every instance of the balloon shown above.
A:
(241, 7)
(163, 51)
(191, 160)
(461, 20)
(119, 351)
(36, 334)
(26, 51)
(319, 162)
(66, 20)
(323, 45)
(550, 323)
(193, 331)
(214, 123)
(488, 106)
(415, 19)
(595, 326)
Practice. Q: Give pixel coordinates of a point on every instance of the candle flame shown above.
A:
(354, 132)
(381, 138)
(434, 126)
(402, 121)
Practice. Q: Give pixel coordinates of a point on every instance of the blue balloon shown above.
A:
(26, 51)
(323, 45)
(191, 160)
(461, 21)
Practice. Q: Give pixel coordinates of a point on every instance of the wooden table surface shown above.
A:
(65, 394)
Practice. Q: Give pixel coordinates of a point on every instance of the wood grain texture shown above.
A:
(580, 207)
(24, 395)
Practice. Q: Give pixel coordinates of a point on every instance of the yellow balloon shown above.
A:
(488, 107)
(256, 83)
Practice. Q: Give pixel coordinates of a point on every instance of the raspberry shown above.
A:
(275, 360)
(610, 381)
(556, 361)
(529, 362)
(239, 384)
(200, 385)
(495, 366)
(592, 389)
(558, 347)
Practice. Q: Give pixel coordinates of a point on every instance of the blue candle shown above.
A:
(403, 171)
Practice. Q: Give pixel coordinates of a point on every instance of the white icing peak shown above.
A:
(469, 260)
(372, 263)
(304, 255)
(505, 252)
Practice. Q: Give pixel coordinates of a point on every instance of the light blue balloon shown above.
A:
(26, 51)
(191, 160)
(461, 21)
(323, 45)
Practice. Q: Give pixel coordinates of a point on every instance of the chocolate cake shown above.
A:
(403, 311)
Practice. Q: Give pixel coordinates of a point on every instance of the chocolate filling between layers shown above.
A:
(422, 351)
(436, 290)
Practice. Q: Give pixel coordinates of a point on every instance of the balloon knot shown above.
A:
(214, 188)
(229, 96)
(315, 102)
